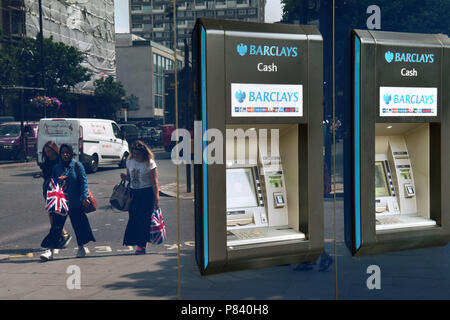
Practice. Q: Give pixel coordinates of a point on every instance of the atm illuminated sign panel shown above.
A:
(408, 101)
(266, 100)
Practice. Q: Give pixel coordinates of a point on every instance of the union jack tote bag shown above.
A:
(57, 201)
(157, 228)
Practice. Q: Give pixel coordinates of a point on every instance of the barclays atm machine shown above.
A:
(259, 188)
(401, 150)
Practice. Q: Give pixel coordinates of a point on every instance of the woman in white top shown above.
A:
(142, 174)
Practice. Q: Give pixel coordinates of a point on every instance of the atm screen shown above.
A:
(381, 182)
(241, 191)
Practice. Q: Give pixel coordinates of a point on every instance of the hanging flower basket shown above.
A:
(46, 102)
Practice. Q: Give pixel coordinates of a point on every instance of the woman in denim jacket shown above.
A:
(71, 173)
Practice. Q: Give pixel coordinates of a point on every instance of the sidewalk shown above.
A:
(153, 276)
(107, 277)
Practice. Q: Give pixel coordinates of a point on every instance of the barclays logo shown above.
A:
(270, 51)
(240, 96)
(241, 49)
(409, 57)
(389, 56)
(387, 98)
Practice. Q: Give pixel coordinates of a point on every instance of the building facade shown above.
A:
(86, 25)
(141, 67)
(153, 19)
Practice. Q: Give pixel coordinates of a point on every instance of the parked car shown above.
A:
(6, 119)
(166, 139)
(150, 135)
(131, 132)
(10, 140)
(145, 134)
(157, 137)
(95, 142)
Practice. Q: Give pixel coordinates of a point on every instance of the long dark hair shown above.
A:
(69, 148)
(52, 145)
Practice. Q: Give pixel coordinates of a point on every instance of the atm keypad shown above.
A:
(279, 200)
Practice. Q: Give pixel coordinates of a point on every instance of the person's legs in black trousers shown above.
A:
(53, 239)
(81, 226)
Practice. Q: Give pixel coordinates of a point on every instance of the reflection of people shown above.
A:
(143, 176)
(325, 263)
(71, 173)
(50, 157)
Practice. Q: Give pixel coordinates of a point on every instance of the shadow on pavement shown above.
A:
(270, 283)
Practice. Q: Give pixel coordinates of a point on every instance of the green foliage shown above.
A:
(109, 95)
(7, 70)
(61, 65)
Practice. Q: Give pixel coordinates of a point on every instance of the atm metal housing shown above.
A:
(369, 73)
(214, 76)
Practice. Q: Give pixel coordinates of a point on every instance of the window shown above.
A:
(116, 131)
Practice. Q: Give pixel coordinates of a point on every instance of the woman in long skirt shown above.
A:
(142, 174)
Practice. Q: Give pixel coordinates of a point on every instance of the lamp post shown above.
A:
(41, 49)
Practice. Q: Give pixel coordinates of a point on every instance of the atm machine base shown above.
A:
(239, 257)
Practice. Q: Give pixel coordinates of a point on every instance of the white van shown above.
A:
(95, 142)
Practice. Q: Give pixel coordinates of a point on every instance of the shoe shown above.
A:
(325, 263)
(306, 266)
(140, 250)
(47, 255)
(64, 241)
(81, 252)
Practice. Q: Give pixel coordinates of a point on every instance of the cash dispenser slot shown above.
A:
(257, 201)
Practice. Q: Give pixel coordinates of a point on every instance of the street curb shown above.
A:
(4, 257)
(169, 190)
(20, 164)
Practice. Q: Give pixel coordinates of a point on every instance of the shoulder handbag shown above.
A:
(121, 197)
(157, 228)
(92, 206)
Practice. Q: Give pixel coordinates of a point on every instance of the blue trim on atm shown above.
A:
(357, 144)
(204, 165)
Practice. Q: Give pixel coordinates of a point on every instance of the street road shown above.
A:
(24, 221)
